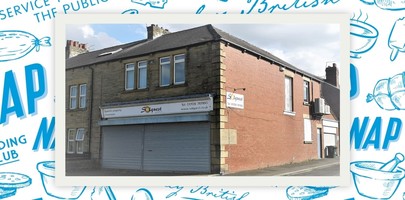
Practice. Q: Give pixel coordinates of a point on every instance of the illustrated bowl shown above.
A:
(367, 174)
(363, 37)
(47, 171)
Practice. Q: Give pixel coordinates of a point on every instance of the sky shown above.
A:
(310, 47)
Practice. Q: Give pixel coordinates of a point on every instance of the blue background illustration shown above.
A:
(377, 95)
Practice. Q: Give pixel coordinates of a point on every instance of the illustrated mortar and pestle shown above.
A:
(384, 177)
(47, 171)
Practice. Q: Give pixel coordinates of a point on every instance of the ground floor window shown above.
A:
(75, 141)
(307, 131)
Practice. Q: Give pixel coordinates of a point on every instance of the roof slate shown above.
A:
(202, 34)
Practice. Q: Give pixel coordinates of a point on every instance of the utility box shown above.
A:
(329, 152)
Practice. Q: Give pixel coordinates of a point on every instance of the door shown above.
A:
(319, 142)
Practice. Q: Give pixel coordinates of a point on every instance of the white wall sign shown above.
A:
(234, 100)
(200, 105)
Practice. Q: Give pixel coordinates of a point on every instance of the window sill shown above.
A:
(172, 86)
(306, 103)
(76, 109)
(307, 142)
(135, 90)
(289, 113)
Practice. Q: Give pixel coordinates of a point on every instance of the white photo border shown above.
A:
(60, 41)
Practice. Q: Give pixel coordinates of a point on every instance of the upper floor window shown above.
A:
(288, 94)
(142, 75)
(179, 64)
(165, 71)
(173, 72)
(306, 91)
(129, 76)
(73, 97)
(82, 98)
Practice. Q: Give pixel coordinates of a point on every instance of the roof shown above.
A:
(175, 40)
(331, 94)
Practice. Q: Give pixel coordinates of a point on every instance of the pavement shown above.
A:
(292, 169)
(283, 170)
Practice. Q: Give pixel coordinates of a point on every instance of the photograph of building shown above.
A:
(198, 100)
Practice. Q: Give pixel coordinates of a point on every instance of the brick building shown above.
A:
(198, 100)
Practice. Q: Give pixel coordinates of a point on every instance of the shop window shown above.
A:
(288, 94)
(165, 71)
(129, 76)
(73, 97)
(306, 92)
(179, 65)
(71, 143)
(82, 97)
(142, 75)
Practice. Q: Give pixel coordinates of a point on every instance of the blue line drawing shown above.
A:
(365, 36)
(354, 82)
(152, 3)
(396, 38)
(384, 177)
(142, 194)
(368, 2)
(47, 171)
(130, 11)
(100, 192)
(11, 181)
(306, 192)
(392, 5)
(15, 44)
(389, 94)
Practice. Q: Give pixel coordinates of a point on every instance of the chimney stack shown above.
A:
(74, 48)
(332, 75)
(154, 31)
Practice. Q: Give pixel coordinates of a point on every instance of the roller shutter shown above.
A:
(173, 147)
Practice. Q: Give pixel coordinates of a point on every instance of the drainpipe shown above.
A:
(91, 107)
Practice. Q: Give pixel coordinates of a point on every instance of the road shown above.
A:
(332, 170)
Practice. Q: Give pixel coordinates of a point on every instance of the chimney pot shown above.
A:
(154, 31)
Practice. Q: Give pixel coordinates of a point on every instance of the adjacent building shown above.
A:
(198, 100)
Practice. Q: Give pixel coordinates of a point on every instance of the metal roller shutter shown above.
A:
(122, 147)
(173, 147)
(177, 147)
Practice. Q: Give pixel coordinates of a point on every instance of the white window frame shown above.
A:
(161, 70)
(73, 97)
(307, 131)
(79, 140)
(82, 97)
(142, 65)
(288, 95)
(71, 132)
(129, 68)
(306, 91)
(176, 62)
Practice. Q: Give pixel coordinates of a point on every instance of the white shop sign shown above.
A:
(190, 106)
(234, 100)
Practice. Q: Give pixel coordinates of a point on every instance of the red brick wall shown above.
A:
(265, 135)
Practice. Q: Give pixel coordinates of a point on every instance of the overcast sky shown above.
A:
(310, 47)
